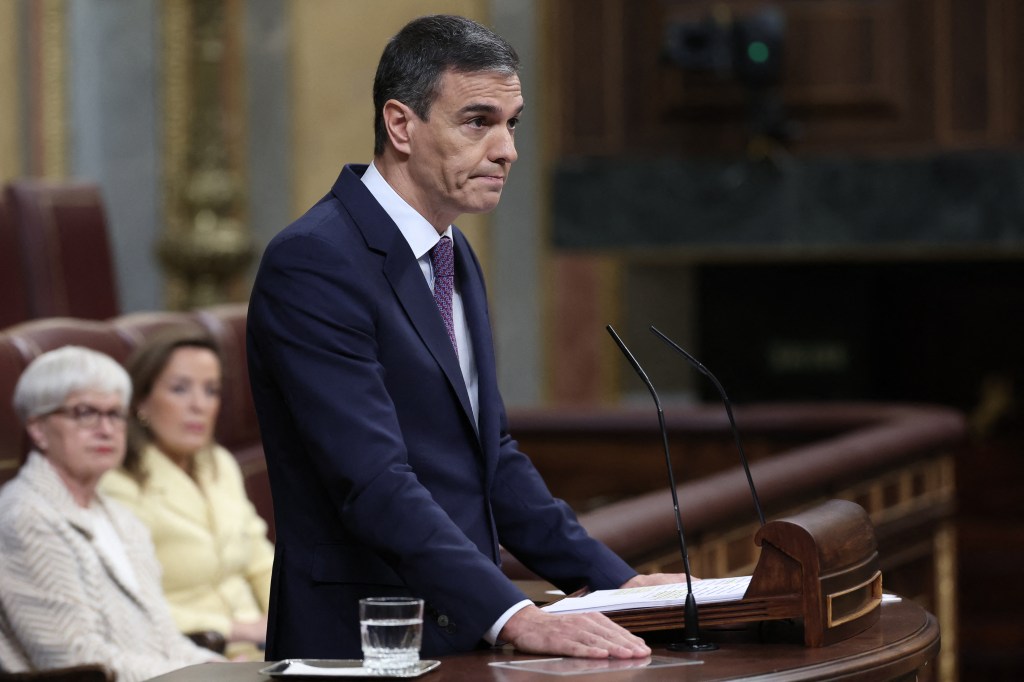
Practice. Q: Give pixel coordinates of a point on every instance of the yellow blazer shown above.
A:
(209, 538)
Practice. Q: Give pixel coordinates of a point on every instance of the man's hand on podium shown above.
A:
(657, 579)
(584, 635)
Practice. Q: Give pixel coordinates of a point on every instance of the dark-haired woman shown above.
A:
(190, 492)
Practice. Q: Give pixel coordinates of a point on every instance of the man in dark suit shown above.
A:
(391, 465)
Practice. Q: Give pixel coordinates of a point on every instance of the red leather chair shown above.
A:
(14, 301)
(136, 327)
(65, 249)
(35, 337)
(13, 439)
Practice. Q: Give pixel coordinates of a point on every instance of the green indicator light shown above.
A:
(758, 52)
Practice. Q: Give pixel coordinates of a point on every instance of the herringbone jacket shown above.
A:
(62, 601)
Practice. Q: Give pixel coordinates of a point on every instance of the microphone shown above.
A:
(699, 366)
(692, 640)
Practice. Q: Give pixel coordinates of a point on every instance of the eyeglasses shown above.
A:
(89, 417)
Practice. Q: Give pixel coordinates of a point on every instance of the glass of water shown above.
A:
(392, 631)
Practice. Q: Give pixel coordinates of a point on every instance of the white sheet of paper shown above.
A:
(704, 591)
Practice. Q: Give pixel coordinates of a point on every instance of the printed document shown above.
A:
(705, 591)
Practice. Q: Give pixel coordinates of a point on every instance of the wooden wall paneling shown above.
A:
(964, 41)
(844, 67)
(838, 56)
(892, 77)
(588, 60)
(940, 73)
(977, 48)
(583, 300)
(642, 81)
(1014, 29)
(1011, 28)
(857, 72)
(1002, 58)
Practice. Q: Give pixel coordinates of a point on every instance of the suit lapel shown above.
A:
(403, 273)
(474, 302)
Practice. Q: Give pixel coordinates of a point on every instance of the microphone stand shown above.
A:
(699, 366)
(691, 622)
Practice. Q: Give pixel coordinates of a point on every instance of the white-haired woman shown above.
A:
(79, 580)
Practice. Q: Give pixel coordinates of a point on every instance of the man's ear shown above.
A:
(398, 119)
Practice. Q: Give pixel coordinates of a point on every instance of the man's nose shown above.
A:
(505, 146)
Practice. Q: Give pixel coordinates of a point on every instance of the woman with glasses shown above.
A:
(79, 580)
(190, 492)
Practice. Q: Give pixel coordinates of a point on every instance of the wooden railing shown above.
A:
(896, 461)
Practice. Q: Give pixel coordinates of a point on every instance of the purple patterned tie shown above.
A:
(444, 280)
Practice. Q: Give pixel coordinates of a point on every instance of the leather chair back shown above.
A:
(13, 439)
(136, 327)
(35, 337)
(14, 301)
(62, 228)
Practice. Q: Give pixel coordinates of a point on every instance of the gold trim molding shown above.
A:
(51, 113)
(176, 17)
(10, 113)
(205, 247)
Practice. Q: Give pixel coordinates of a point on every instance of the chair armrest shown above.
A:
(208, 639)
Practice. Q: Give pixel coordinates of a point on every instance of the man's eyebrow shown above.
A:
(481, 108)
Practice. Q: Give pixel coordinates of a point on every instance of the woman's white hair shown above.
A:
(53, 376)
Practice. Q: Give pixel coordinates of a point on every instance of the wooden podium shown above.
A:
(899, 647)
(819, 566)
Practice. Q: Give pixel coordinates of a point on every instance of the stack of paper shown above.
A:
(704, 591)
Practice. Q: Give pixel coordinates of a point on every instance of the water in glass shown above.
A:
(392, 631)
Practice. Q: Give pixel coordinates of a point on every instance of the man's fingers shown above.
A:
(588, 635)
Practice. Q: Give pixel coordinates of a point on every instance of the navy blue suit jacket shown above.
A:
(382, 483)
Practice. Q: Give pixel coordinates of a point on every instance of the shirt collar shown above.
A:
(420, 234)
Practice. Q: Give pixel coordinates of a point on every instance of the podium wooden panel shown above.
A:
(819, 566)
(903, 641)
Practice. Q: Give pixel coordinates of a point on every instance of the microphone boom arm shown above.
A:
(699, 366)
(692, 641)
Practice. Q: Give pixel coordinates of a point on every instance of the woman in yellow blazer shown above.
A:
(190, 492)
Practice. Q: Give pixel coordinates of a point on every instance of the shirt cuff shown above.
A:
(491, 636)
